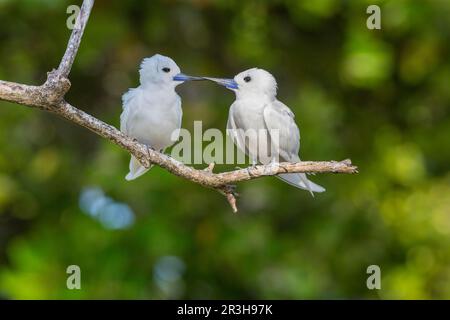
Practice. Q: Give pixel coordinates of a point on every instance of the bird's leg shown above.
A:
(254, 162)
(273, 160)
(249, 171)
(253, 166)
(272, 166)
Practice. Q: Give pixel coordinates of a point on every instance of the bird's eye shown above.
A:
(247, 79)
(166, 69)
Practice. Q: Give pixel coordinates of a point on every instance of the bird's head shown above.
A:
(162, 70)
(253, 81)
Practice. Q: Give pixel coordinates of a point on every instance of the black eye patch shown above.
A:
(166, 69)
(247, 79)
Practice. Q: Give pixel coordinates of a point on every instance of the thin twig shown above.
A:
(75, 38)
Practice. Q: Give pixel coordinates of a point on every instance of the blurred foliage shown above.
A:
(379, 97)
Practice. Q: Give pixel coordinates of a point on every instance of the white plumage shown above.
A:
(256, 109)
(152, 112)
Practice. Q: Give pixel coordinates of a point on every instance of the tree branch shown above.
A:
(50, 97)
(75, 38)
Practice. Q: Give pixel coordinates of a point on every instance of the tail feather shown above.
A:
(300, 181)
(136, 169)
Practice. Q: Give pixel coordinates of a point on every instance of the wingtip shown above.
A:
(129, 177)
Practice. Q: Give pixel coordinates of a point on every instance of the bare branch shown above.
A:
(203, 177)
(75, 38)
(344, 166)
(50, 97)
(22, 94)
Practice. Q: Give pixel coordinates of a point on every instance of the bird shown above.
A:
(257, 109)
(152, 112)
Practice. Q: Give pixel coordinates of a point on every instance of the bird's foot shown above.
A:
(272, 167)
(249, 170)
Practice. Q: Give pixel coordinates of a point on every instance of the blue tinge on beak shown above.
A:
(227, 83)
(184, 77)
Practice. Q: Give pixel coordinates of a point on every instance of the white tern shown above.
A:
(152, 111)
(256, 108)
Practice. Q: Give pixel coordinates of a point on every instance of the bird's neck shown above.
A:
(253, 95)
(150, 86)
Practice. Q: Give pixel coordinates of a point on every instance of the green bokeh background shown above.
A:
(379, 97)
